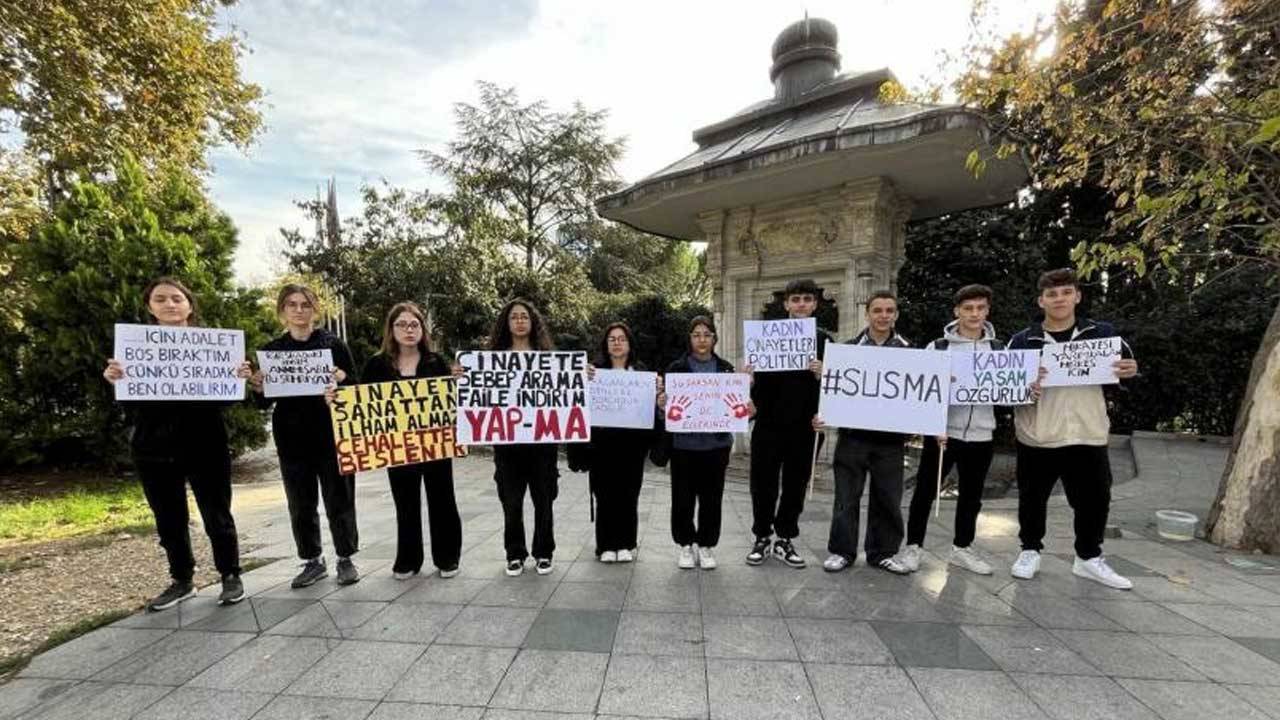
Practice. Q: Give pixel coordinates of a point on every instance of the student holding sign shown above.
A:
(782, 441)
(876, 453)
(406, 354)
(967, 444)
(303, 434)
(522, 466)
(617, 456)
(698, 459)
(1065, 435)
(175, 442)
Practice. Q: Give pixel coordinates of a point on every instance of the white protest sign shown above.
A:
(998, 377)
(780, 345)
(623, 399)
(883, 388)
(708, 402)
(290, 373)
(523, 397)
(1081, 362)
(178, 363)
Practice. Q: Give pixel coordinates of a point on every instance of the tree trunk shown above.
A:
(1246, 513)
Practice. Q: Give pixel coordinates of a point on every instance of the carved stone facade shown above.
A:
(848, 238)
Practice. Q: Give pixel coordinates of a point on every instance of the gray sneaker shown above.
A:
(347, 573)
(174, 594)
(312, 571)
(232, 590)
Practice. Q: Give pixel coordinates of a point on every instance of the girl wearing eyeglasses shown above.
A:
(406, 354)
(303, 433)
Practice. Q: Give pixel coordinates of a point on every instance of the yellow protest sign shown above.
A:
(387, 424)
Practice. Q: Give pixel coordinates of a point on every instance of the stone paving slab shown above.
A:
(1196, 638)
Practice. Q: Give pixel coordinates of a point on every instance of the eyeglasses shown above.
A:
(411, 325)
(702, 336)
(617, 340)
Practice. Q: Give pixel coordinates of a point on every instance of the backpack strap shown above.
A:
(996, 344)
(941, 344)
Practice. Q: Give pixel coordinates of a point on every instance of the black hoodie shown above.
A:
(301, 425)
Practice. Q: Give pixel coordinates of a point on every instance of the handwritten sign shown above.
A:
(1081, 362)
(708, 402)
(290, 373)
(890, 389)
(1001, 377)
(389, 424)
(623, 399)
(178, 363)
(780, 345)
(523, 397)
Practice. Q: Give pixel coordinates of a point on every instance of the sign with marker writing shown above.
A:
(708, 402)
(290, 373)
(883, 388)
(780, 345)
(623, 399)
(388, 424)
(178, 363)
(1081, 362)
(523, 397)
(998, 377)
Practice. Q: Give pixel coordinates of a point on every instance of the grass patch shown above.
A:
(14, 664)
(103, 507)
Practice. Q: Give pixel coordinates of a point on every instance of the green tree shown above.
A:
(87, 81)
(529, 169)
(86, 268)
(1172, 107)
(622, 260)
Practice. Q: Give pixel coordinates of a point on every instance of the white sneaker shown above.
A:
(910, 557)
(404, 575)
(891, 564)
(608, 556)
(1027, 565)
(835, 563)
(686, 559)
(626, 555)
(706, 559)
(969, 559)
(1098, 570)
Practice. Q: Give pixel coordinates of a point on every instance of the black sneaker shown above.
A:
(232, 590)
(347, 573)
(515, 568)
(543, 566)
(311, 572)
(174, 594)
(759, 551)
(786, 552)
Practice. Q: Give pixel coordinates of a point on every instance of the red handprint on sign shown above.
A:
(737, 407)
(679, 404)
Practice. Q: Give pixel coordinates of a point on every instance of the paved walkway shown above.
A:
(1197, 638)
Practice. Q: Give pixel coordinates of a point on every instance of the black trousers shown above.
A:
(790, 452)
(855, 458)
(617, 472)
(165, 485)
(972, 461)
(1085, 471)
(443, 521)
(532, 467)
(306, 479)
(697, 482)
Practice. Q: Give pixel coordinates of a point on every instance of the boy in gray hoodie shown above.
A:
(967, 442)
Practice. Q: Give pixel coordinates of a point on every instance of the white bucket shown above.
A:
(1176, 525)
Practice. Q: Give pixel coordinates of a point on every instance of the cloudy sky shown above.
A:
(354, 88)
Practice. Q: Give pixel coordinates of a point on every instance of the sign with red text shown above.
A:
(708, 402)
(523, 397)
(389, 424)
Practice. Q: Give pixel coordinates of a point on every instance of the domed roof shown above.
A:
(806, 33)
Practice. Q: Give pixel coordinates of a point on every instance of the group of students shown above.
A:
(1062, 435)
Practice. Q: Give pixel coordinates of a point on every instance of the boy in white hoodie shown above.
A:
(967, 442)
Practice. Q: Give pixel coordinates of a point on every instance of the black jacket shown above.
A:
(174, 430)
(301, 425)
(787, 400)
(381, 368)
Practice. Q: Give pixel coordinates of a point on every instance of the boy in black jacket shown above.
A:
(782, 441)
